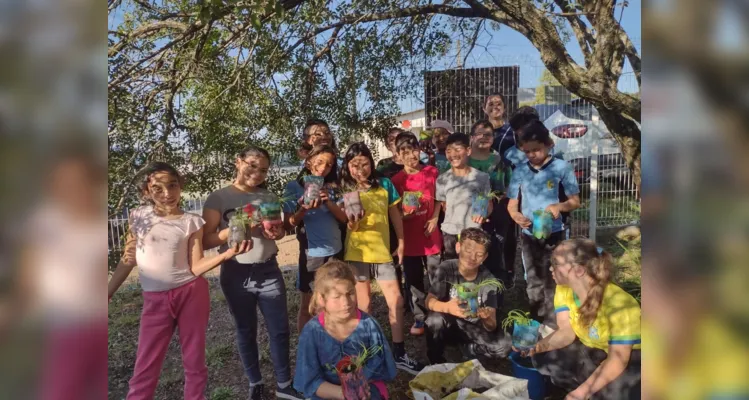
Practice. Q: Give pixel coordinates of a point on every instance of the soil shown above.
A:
(226, 378)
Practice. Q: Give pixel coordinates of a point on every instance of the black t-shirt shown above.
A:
(388, 168)
(447, 275)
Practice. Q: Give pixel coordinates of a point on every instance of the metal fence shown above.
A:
(609, 195)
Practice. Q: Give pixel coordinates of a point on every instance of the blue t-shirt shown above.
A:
(550, 184)
(318, 353)
(441, 162)
(323, 232)
(514, 156)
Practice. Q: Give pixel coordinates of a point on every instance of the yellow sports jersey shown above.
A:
(370, 243)
(713, 366)
(617, 322)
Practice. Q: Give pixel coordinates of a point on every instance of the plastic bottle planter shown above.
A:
(525, 337)
(353, 381)
(542, 221)
(237, 230)
(352, 204)
(312, 187)
(411, 202)
(480, 205)
(525, 331)
(468, 294)
(270, 214)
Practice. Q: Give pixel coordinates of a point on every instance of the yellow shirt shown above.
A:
(370, 243)
(714, 365)
(617, 322)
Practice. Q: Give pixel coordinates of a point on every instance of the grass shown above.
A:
(226, 379)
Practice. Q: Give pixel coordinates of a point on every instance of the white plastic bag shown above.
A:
(438, 382)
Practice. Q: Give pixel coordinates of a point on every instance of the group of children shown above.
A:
(439, 243)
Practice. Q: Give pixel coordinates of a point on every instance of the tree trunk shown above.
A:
(628, 135)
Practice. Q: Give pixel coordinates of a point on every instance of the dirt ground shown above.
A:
(226, 378)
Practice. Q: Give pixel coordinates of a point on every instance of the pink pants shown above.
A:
(75, 366)
(185, 307)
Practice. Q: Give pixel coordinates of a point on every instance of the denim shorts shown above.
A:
(366, 271)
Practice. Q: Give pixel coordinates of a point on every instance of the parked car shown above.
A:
(575, 131)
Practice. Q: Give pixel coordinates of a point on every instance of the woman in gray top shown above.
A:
(252, 279)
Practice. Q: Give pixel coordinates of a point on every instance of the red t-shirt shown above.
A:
(424, 181)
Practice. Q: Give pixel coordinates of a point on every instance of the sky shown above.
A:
(507, 47)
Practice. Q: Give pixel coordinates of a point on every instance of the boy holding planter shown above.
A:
(457, 189)
(548, 188)
(416, 185)
(483, 159)
(462, 303)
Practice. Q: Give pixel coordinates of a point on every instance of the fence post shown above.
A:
(593, 208)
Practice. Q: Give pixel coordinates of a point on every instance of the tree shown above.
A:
(189, 81)
(545, 81)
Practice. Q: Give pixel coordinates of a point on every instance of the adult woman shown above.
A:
(504, 138)
(595, 353)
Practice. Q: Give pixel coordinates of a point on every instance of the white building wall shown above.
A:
(414, 121)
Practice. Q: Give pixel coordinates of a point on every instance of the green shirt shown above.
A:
(499, 173)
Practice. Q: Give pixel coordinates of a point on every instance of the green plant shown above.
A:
(470, 287)
(354, 362)
(517, 317)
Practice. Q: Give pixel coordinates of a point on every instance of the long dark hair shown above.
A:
(332, 175)
(355, 150)
(144, 175)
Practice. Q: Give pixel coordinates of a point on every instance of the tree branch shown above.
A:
(584, 38)
(144, 30)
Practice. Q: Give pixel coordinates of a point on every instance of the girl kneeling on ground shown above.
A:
(595, 353)
(340, 329)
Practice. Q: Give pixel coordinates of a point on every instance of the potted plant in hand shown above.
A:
(352, 203)
(350, 370)
(480, 204)
(239, 225)
(411, 202)
(525, 330)
(542, 223)
(468, 294)
(312, 186)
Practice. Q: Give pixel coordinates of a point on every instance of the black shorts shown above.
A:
(306, 276)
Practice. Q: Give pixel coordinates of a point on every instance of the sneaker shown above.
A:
(418, 328)
(257, 392)
(288, 393)
(407, 364)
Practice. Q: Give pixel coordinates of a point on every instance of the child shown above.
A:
(456, 188)
(166, 244)
(339, 329)
(508, 148)
(483, 159)
(321, 219)
(368, 242)
(595, 353)
(252, 280)
(441, 131)
(545, 184)
(424, 242)
(390, 166)
(316, 132)
(447, 322)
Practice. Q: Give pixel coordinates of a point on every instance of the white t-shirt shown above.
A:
(162, 248)
(70, 272)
